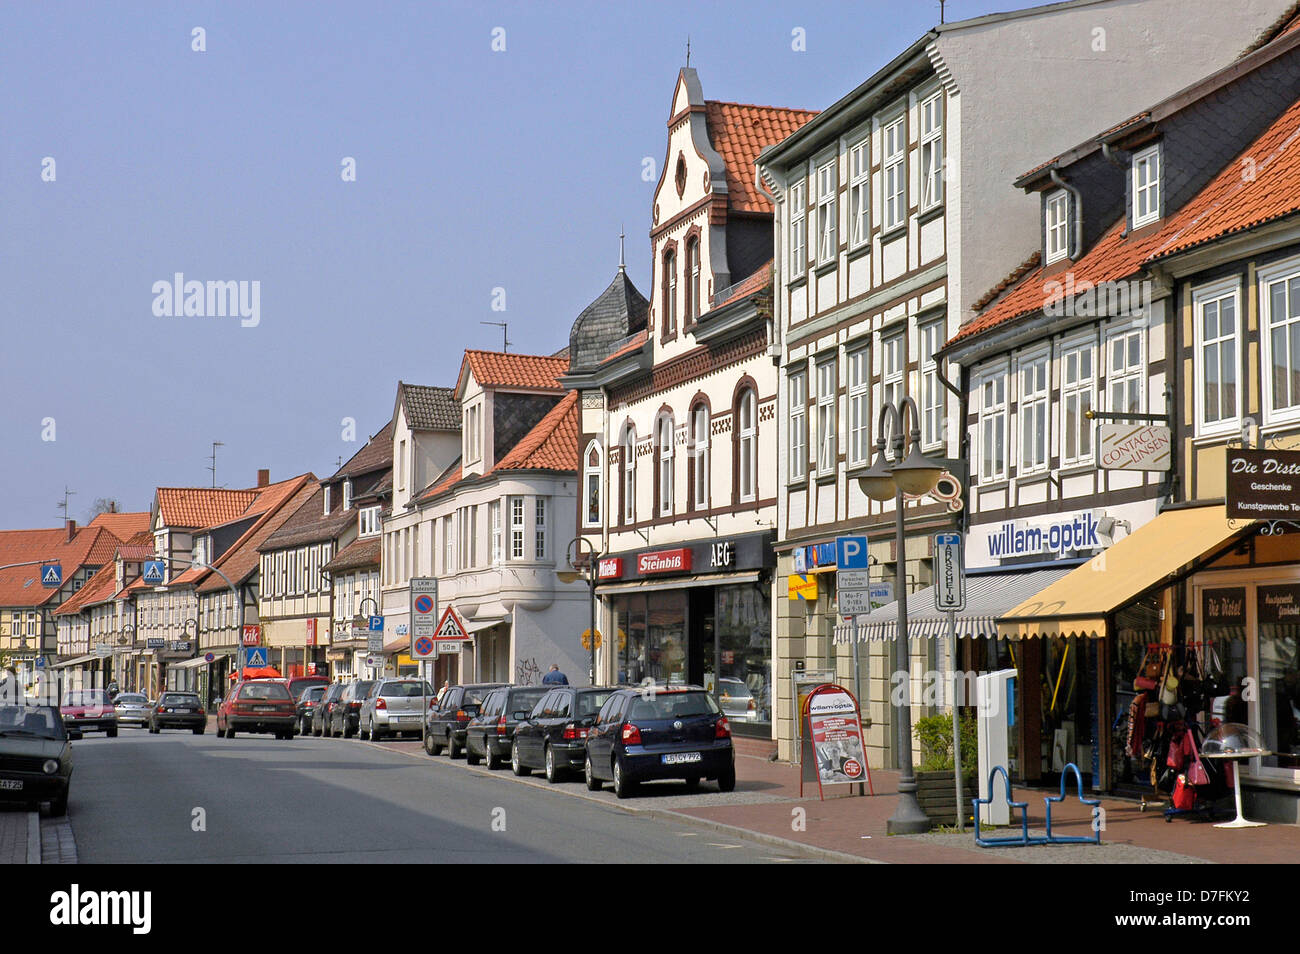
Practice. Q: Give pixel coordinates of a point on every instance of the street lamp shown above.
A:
(573, 575)
(915, 475)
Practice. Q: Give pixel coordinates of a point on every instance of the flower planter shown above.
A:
(937, 794)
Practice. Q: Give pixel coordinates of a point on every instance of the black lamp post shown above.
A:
(915, 475)
(573, 575)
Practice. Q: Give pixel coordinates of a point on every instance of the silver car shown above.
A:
(132, 709)
(395, 706)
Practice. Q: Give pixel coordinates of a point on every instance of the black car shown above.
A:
(444, 727)
(178, 710)
(323, 713)
(35, 756)
(554, 736)
(345, 720)
(306, 706)
(489, 734)
(653, 733)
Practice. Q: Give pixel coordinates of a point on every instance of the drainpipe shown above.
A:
(963, 447)
(773, 346)
(1078, 212)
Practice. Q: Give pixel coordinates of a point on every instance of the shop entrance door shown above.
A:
(702, 648)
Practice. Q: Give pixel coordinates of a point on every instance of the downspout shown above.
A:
(1078, 212)
(773, 347)
(963, 447)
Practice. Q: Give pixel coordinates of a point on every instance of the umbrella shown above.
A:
(262, 672)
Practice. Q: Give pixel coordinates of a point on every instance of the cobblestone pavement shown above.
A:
(13, 837)
(58, 847)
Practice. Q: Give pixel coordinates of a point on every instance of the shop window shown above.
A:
(1277, 609)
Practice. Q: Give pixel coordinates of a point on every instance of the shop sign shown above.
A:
(179, 646)
(1279, 604)
(722, 555)
(1070, 531)
(834, 750)
(1263, 484)
(809, 558)
(155, 642)
(252, 634)
(802, 587)
(103, 649)
(664, 561)
(611, 568)
(1226, 607)
(311, 631)
(1134, 447)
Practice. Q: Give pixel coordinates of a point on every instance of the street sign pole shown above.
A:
(956, 723)
(950, 596)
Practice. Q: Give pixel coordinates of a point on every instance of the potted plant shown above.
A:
(936, 786)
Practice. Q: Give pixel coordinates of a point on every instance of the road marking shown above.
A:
(687, 834)
(713, 844)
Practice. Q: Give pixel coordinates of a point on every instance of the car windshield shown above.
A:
(406, 690)
(86, 697)
(474, 695)
(526, 699)
(299, 686)
(264, 690)
(589, 703)
(179, 699)
(313, 694)
(673, 705)
(30, 722)
(362, 689)
(131, 699)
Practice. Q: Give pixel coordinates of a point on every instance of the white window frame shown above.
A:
(516, 528)
(1078, 390)
(797, 389)
(860, 193)
(368, 522)
(931, 109)
(629, 475)
(593, 472)
(1033, 400)
(1146, 186)
(934, 398)
(891, 380)
(1129, 372)
(747, 445)
(498, 541)
(994, 413)
(1217, 292)
(826, 424)
(798, 227)
(893, 180)
(539, 529)
(347, 495)
(1287, 274)
(700, 450)
(827, 212)
(448, 544)
(664, 428)
(1056, 226)
(859, 405)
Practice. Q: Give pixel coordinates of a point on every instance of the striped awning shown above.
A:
(988, 596)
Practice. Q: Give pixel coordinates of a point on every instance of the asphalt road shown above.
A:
(137, 798)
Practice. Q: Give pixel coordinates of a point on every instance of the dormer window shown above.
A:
(369, 525)
(1057, 221)
(1146, 186)
(347, 495)
(327, 500)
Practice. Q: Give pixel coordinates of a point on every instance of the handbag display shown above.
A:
(1148, 673)
(1184, 796)
(1196, 773)
(1191, 688)
(1213, 682)
(1169, 684)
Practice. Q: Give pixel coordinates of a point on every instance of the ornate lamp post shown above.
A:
(573, 575)
(915, 475)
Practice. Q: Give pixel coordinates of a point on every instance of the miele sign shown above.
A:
(610, 568)
(664, 561)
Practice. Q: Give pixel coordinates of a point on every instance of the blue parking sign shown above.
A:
(851, 553)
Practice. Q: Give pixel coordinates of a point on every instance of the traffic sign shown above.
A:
(52, 575)
(255, 657)
(424, 609)
(854, 602)
(154, 572)
(448, 647)
(40, 662)
(424, 648)
(376, 624)
(851, 553)
(949, 572)
(852, 579)
(450, 626)
(208, 657)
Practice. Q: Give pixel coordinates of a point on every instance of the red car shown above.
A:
(89, 709)
(257, 705)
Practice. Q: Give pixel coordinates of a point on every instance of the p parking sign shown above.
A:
(851, 553)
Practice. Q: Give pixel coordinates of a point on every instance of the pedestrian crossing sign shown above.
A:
(450, 626)
(52, 574)
(153, 572)
(255, 657)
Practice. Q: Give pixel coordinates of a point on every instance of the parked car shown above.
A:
(89, 710)
(257, 705)
(346, 717)
(396, 706)
(301, 684)
(737, 700)
(132, 708)
(490, 733)
(306, 706)
(554, 736)
(323, 713)
(674, 733)
(178, 710)
(35, 756)
(446, 723)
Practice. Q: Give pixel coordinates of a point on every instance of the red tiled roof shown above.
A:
(1230, 203)
(21, 586)
(552, 444)
(500, 369)
(122, 525)
(98, 589)
(739, 132)
(241, 559)
(197, 507)
(746, 287)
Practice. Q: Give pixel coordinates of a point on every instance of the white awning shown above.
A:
(192, 663)
(474, 625)
(76, 661)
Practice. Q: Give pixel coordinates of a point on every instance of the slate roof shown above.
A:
(1230, 203)
(358, 553)
(122, 525)
(738, 133)
(501, 369)
(620, 310)
(551, 445)
(430, 408)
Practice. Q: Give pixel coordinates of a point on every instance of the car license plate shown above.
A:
(263, 708)
(11, 784)
(681, 758)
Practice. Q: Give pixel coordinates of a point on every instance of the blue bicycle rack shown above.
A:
(1023, 839)
(1095, 837)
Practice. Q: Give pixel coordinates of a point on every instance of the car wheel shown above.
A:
(111, 733)
(230, 732)
(593, 784)
(490, 758)
(348, 731)
(376, 733)
(727, 780)
(316, 732)
(623, 788)
(518, 767)
(433, 748)
(363, 731)
(470, 757)
(692, 783)
(305, 727)
(59, 806)
(198, 731)
(552, 773)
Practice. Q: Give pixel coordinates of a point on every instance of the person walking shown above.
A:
(555, 677)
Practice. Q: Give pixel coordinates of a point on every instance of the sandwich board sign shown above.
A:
(832, 748)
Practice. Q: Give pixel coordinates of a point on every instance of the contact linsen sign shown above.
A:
(1134, 447)
(1263, 484)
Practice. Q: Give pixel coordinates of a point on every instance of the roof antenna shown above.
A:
(64, 506)
(505, 335)
(622, 265)
(688, 51)
(941, 3)
(213, 466)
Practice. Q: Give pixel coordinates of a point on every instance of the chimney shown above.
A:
(112, 506)
(263, 477)
(71, 526)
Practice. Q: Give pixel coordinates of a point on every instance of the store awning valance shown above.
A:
(77, 661)
(190, 663)
(1078, 603)
(988, 596)
(474, 625)
(678, 583)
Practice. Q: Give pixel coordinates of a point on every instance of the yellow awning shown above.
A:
(1077, 604)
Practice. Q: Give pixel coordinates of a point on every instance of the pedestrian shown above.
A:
(555, 677)
(443, 691)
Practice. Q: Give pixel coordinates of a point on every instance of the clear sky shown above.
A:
(475, 169)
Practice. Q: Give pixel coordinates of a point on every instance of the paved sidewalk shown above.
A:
(19, 838)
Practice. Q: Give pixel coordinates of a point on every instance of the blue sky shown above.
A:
(475, 170)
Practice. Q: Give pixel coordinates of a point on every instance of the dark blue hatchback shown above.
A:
(651, 733)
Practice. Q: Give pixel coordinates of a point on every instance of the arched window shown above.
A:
(700, 455)
(629, 475)
(692, 279)
(664, 438)
(747, 445)
(670, 294)
(592, 470)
